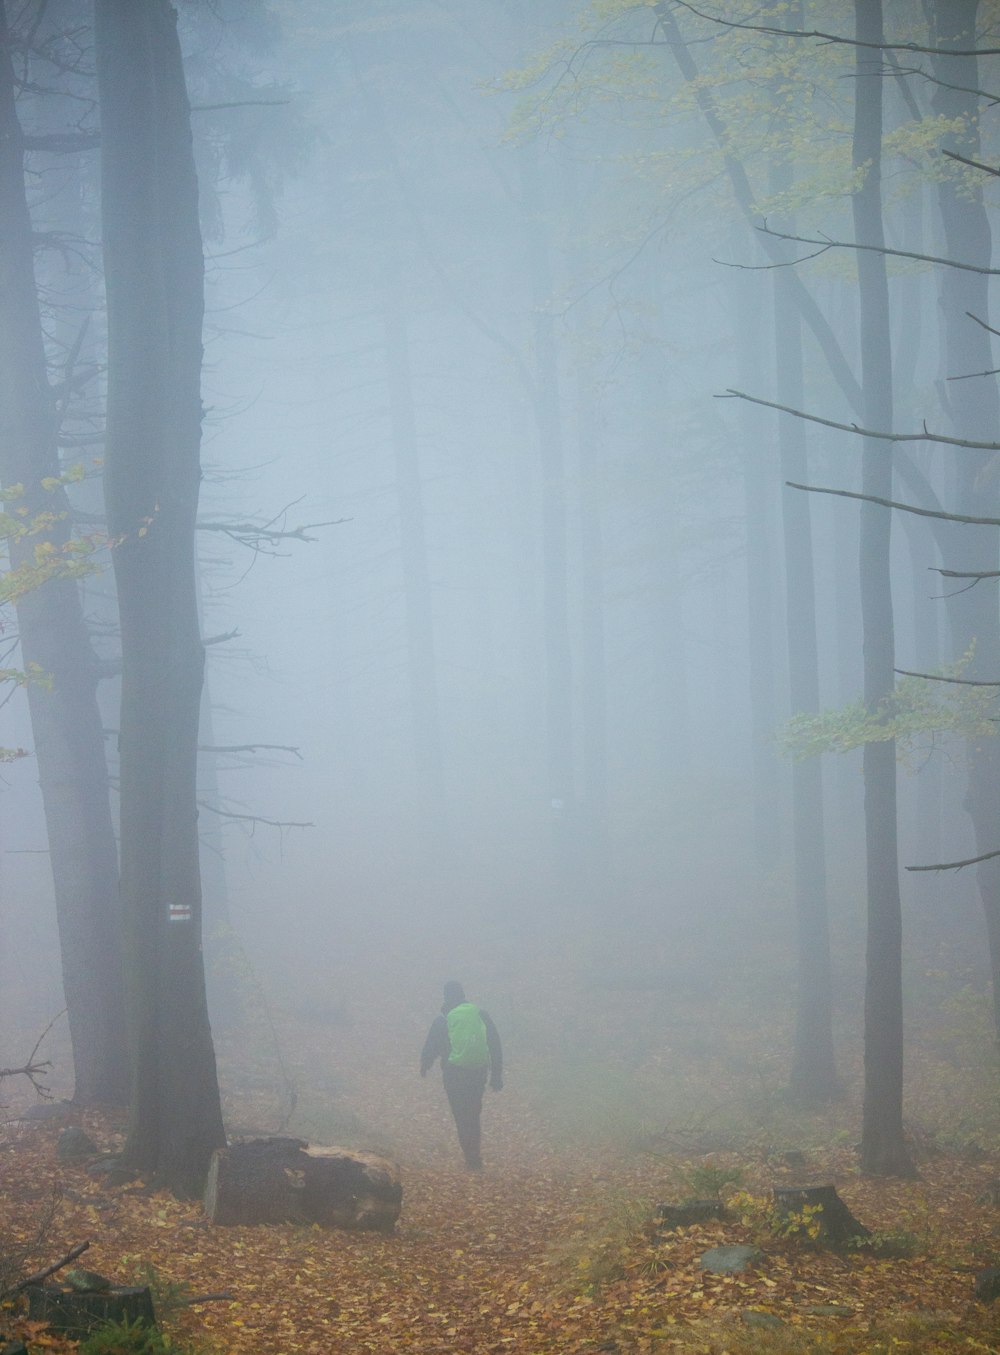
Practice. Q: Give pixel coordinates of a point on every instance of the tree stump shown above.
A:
(285, 1180)
(78, 1314)
(822, 1206)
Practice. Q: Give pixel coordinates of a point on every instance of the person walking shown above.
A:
(466, 1041)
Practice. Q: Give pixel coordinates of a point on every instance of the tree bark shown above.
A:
(155, 288)
(883, 1151)
(547, 409)
(974, 412)
(65, 717)
(814, 1072)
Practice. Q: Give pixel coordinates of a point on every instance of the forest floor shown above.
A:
(550, 1249)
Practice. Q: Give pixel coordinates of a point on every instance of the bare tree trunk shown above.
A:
(65, 718)
(419, 612)
(547, 409)
(759, 476)
(155, 287)
(883, 1151)
(814, 1072)
(973, 408)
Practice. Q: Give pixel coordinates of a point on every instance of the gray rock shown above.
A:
(730, 1260)
(753, 1317)
(987, 1285)
(86, 1282)
(827, 1310)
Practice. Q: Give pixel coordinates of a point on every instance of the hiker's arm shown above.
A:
(496, 1053)
(436, 1044)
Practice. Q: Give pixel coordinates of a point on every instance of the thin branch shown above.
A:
(821, 36)
(208, 1298)
(249, 748)
(241, 103)
(41, 1275)
(968, 573)
(925, 436)
(826, 244)
(974, 164)
(252, 818)
(891, 503)
(936, 677)
(958, 865)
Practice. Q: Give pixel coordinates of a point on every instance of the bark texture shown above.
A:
(65, 718)
(155, 286)
(883, 1151)
(974, 412)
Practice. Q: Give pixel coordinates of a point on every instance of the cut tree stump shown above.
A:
(286, 1180)
(78, 1314)
(837, 1225)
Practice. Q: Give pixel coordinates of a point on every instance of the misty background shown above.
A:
(506, 655)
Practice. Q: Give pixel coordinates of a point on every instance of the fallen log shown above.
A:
(286, 1180)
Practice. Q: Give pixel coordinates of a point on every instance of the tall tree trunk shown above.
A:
(814, 1072)
(547, 409)
(593, 659)
(155, 287)
(419, 613)
(66, 721)
(759, 475)
(883, 1151)
(974, 412)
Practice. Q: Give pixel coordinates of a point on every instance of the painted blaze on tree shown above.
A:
(155, 290)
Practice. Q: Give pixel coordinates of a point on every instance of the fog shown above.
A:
(495, 569)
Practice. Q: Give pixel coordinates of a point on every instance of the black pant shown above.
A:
(465, 1088)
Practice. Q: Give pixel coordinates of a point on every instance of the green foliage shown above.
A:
(170, 1297)
(708, 1181)
(890, 1244)
(918, 709)
(598, 1253)
(131, 1338)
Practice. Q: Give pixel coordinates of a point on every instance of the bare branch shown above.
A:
(958, 865)
(241, 103)
(41, 1275)
(968, 573)
(826, 244)
(838, 38)
(936, 677)
(249, 748)
(252, 818)
(891, 503)
(925, 436)
(974, 164)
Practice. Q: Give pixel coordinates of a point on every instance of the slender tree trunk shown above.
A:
(419, 612)
(65, 718)
(759, 475)
(883, 1151)
(593, 660)
(155, 287)
(547, 408)
(974, 412)
(814, 1073)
